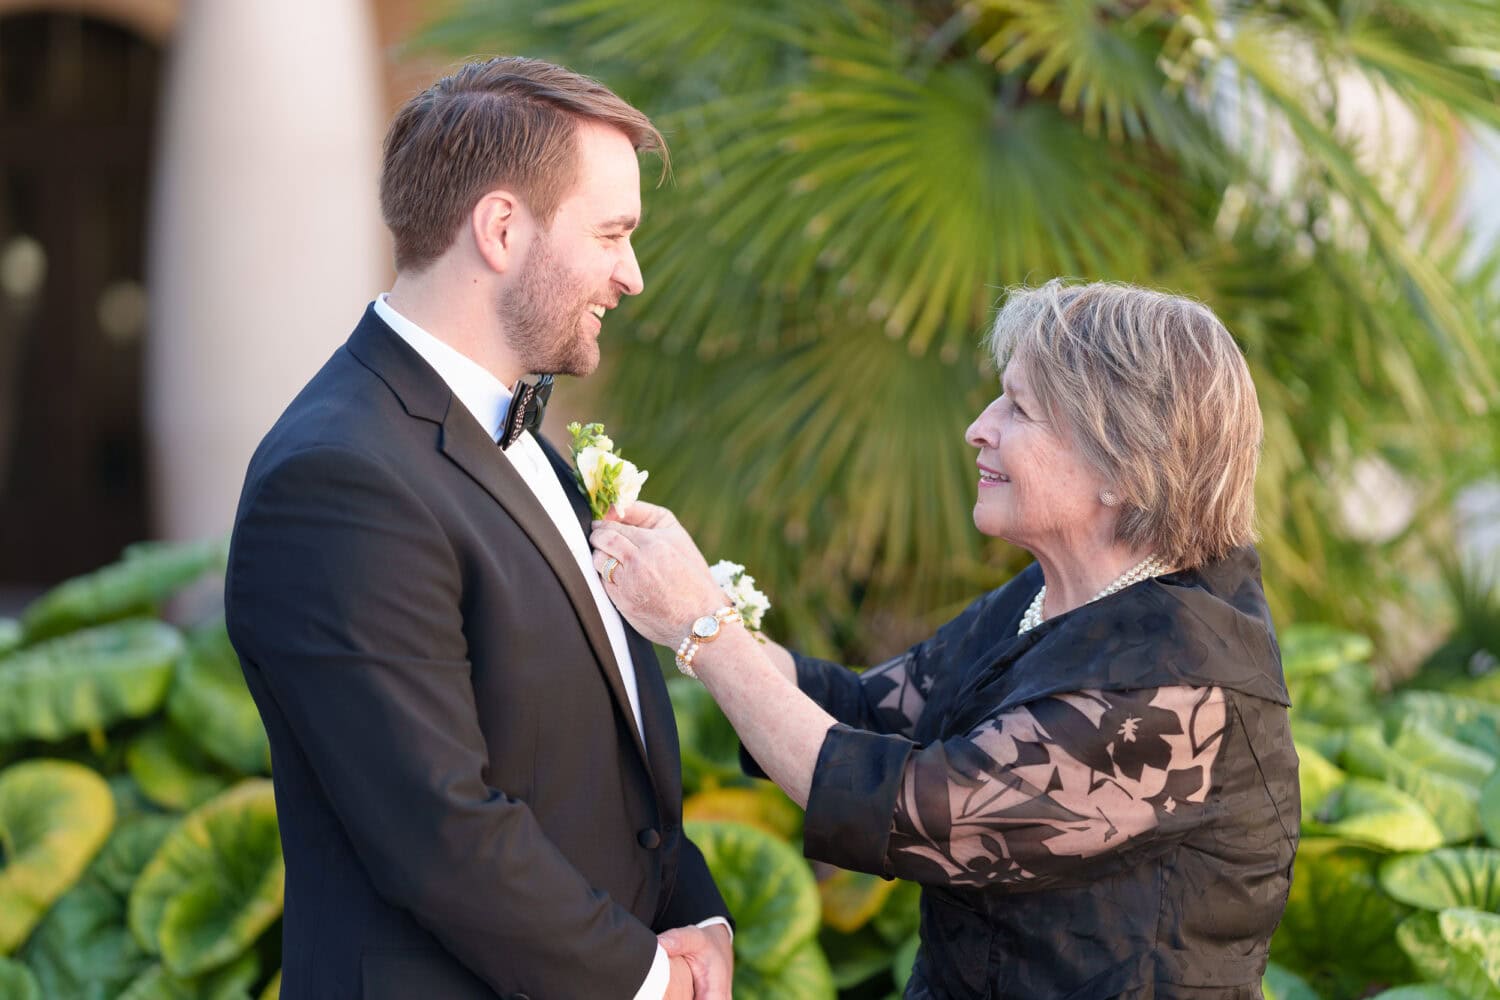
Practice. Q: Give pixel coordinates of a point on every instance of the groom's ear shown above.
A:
(500, 226)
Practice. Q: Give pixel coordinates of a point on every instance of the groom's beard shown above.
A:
(543, 315)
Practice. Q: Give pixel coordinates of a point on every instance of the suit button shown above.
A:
(649, 839)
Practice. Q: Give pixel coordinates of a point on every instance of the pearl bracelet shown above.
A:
(704, 629)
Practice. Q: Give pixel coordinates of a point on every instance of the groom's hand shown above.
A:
(680, 986)
(709, 955)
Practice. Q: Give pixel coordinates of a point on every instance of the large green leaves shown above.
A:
(1452, 802)
(1418, 991)
(86, 680)
(129, 849)
(803, 975)
(17, 982)
(710, 748)
(1459, 948)
(82, 949)
(1283, 984)
(1468, 720)
(171, 770)
(148, 574)
(1375, 814)
(232, 982)
(1437, 880)
(209, 701)
(1316, 777)
(214, 885)
(1326, 676)
(1311, 650)
(1338, 922)
(769, 891)
(54, 817)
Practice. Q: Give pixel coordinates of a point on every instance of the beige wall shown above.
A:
(265, 237)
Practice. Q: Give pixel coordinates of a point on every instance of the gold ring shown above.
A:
(610, 566)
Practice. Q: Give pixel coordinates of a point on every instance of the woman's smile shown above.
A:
(989, 477)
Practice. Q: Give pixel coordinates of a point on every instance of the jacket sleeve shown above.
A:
(344, 595)
(1058, 791)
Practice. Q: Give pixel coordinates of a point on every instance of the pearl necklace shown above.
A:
(1143, 570)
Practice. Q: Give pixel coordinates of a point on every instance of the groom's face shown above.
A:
(580, 266)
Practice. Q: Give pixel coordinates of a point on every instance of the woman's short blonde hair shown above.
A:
(1156, 395)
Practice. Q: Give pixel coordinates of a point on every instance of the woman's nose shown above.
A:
(984, 431)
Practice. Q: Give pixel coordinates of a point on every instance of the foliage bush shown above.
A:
(139, 854)
(855, 183)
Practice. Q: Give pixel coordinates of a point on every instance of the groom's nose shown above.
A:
(628, 273)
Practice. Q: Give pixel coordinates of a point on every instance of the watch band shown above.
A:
(703, 629)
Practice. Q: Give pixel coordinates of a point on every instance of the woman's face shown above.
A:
(1035, 490)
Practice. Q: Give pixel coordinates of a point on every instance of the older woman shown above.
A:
(1090, 770)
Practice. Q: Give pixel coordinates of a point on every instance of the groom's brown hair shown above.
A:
(507, 122)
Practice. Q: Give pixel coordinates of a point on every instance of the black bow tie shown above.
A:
(527, 404)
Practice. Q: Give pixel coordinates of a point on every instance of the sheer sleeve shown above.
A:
(886, 698)
(889, 698)
(1059, 789)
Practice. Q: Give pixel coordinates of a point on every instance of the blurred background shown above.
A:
(189, 226)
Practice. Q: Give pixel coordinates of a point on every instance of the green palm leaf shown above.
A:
(856, 183)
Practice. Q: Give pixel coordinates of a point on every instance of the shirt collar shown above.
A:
(482, 394)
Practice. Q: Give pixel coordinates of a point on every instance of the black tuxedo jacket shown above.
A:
(466, 806)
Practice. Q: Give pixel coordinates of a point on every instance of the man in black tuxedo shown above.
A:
(475, 760)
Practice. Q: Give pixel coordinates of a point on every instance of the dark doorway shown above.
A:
(78, 100)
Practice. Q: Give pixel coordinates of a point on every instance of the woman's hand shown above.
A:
(662, 581)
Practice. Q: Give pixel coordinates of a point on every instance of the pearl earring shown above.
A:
(1109, 498)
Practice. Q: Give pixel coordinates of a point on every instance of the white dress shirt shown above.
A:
(487, 399)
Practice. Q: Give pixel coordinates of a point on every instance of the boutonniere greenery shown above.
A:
(607, 479)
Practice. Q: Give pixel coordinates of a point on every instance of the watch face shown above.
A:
(706, 626)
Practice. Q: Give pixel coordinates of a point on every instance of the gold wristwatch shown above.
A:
(704, 629)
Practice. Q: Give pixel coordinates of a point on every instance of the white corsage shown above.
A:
(740, 588)
(607, 479)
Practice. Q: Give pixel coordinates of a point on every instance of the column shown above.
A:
(266, 241)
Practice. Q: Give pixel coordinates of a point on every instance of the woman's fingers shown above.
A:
(611, 541)
(607, 565)
(642, 514)
(629, 532)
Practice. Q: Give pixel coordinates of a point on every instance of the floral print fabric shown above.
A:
(1061, 780)
(1103, 807)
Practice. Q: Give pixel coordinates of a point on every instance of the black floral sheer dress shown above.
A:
(1103, 807)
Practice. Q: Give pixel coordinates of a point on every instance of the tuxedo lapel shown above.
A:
(656, 705)
(425, 396)
(657, 720)
(570, 486)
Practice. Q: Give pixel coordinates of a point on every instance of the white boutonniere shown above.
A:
(607, 479)
(740, 588)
